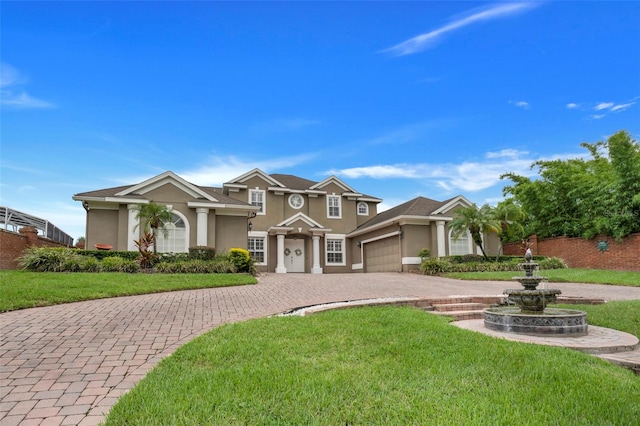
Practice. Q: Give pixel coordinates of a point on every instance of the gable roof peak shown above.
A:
(333, 179)
(162, 179)
(253, 173)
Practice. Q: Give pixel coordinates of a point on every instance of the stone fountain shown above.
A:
(530, 314)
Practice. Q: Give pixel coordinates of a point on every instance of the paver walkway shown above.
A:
(68, 364)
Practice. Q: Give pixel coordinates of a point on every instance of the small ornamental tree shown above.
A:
(152, 217)
(475, 220)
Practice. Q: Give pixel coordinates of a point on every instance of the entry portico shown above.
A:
(292, 236)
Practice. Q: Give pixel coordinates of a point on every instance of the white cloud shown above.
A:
(223, 169)
(506, 153)
(11, 77)
(622, 107)
(521, 104)
(466, 176)
(572, 105)
(596, 116)
(380, 172)
(23, 100)
(426, 40)
(603, 105)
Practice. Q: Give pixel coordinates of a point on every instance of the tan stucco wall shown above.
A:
(415, 238)
(231, 232)
(102, 228)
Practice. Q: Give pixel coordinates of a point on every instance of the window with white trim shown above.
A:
(363, 209)
(256, 247)
(461, 245)
(335, 250)
(173, 239)
(334, 210)
(257, 198)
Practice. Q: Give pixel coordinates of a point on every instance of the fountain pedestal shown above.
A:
(531, 316)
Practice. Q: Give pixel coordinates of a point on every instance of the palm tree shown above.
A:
(510, 215)
(475, 220)
(153, 217)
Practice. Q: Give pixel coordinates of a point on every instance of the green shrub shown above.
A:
(90, 264)
(220, 265)
(552, 263)
(466, 258)
(103, 254)
(46, 259)
(242, 260)
(173, 257)
(424, 253)
(435, 266)
(202, 253)
(118, 264)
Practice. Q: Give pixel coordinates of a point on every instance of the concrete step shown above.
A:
(461, 315)
(446, 307)
(627, 359)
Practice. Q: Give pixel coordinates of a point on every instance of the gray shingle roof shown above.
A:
(107, 192)
(419, 206)
(111, 192)
(293, 182)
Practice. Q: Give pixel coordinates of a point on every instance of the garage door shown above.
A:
(382, 255)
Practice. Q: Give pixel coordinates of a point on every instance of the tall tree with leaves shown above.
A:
(152, 217)
(584, 197)
(475, 220)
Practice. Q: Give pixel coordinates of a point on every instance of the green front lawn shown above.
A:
(377, 366)
(21, 289)
(572, 275)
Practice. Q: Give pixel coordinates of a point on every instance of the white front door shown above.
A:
(294, 255)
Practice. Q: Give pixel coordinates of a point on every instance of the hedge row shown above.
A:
(44, 259)
(433, 266)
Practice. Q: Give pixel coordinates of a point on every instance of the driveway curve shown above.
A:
(68, 364)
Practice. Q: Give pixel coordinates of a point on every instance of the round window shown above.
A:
(296, 201)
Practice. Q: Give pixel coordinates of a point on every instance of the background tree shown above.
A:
(152, 217)
(475, 220)
(511, 218)
(583, 197)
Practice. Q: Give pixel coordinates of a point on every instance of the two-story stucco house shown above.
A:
(288, 223)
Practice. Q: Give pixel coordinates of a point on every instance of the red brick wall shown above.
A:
(13, 244)
(581, 253)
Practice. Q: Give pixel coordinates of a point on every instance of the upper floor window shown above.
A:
(334, 206)
(363, 209)
(257, 198)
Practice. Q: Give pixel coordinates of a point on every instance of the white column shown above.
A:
(132, 227)
(202, 231)
(280, 268)
(316, 269)
(441, 238)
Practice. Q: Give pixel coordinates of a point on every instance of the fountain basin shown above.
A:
(532, 301)
(550, 322)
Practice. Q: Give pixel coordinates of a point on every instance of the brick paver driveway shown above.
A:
(68, 364)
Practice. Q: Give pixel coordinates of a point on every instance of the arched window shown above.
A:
(363, 209)
(177, 237)
(462, 245)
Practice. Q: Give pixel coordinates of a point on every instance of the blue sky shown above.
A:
(398, 99)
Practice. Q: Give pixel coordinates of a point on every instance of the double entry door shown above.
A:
(294, 255)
